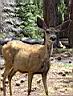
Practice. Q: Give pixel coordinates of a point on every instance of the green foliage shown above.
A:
(62, 9)
(28, 12)
(2, 35)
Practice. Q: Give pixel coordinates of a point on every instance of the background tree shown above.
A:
(49, 12)
(71, 24)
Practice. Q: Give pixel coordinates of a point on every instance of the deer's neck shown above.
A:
(48, 47)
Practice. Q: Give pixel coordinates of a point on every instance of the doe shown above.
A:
(28, 58)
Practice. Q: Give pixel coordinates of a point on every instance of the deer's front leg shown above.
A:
(30, 76)
(44, 77)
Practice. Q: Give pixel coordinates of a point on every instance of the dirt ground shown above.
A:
(59, 78)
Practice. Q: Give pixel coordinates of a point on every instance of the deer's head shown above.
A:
(50, 33)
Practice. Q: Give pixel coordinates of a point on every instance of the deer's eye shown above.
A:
(53, 37)
(47, 31)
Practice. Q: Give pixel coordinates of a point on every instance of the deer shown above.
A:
(28, 58)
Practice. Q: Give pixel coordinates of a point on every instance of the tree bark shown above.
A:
(49, 12)
(71, 24)
(66, 15)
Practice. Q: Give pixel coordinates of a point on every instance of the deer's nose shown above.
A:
(53, 38)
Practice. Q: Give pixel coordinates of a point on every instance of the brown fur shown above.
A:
(27, 58)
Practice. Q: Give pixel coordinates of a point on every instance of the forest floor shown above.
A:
(59, 78)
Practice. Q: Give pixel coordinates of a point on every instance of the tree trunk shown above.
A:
(66, 15)
(49, 12)
(71, 24)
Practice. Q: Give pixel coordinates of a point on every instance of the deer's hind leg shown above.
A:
(10, 75)
(5, 74)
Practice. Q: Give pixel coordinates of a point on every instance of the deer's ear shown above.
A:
(41, 23)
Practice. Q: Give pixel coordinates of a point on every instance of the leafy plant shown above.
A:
(28, 12)
(62, 9)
